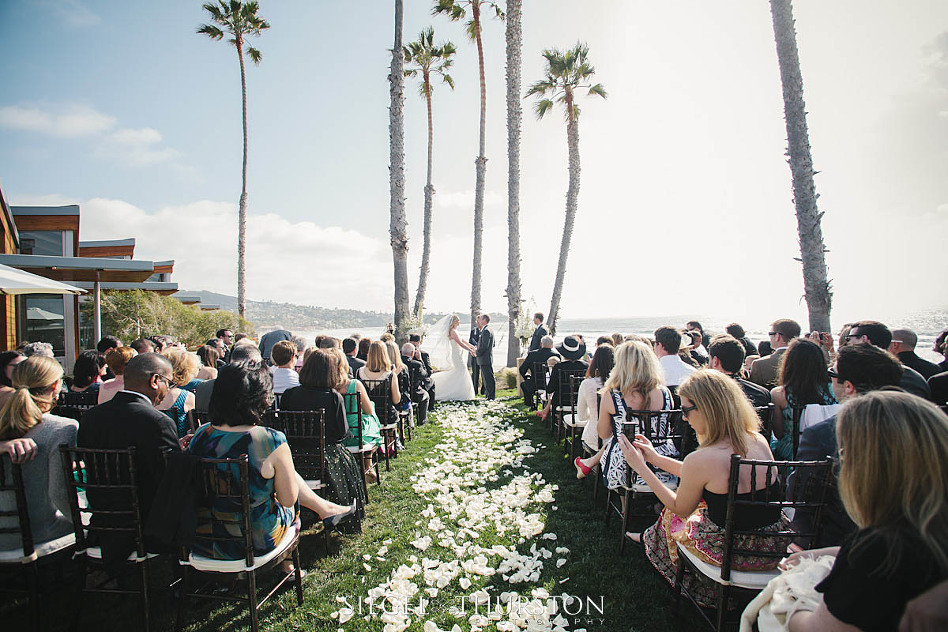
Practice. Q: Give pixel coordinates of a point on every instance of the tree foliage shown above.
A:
(136, 314)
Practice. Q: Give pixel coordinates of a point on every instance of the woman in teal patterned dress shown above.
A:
(242, 393)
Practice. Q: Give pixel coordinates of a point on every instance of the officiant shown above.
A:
(536, 342)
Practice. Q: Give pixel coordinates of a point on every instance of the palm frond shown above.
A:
(542, 107)
(540, 87)
(254, 55)
(598, 90)
(454, 10)
(448, 80)
(211, 31)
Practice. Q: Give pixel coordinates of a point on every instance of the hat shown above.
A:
(572, 348)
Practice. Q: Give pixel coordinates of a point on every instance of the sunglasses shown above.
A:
(686, 410)
(833, 374)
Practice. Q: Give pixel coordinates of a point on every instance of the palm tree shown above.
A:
(457, 10)
(816, 286)
(398, 227)
(566, 72)
(514, 36)
(238, 19)
(429, 60)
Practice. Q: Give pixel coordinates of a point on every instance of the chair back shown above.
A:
(103, 494)
(796, 416)
(305, 432)
(380, 392)
(661, 427)
(224, 500)
(540, 374)
(564, 389)
(811, 496)
(72, 410)
(16, 520)
(353, 404)
(86, 398)
(766, 415)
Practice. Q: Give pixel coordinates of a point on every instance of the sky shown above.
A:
(685, 204)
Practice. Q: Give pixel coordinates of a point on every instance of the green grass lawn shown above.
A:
(632, 595)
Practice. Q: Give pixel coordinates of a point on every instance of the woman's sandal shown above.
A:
(638, 543)
(582, 470)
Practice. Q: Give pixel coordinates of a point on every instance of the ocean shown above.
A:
(926, 325)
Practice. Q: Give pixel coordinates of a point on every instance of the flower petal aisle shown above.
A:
(478, 550)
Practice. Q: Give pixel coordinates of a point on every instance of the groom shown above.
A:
(484, 355)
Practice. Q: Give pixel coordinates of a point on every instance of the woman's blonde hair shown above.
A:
(377, 361)
(636, 370)
(33, 380)
(118, 358)
(394, 354)
(184, 365)
(894, 466)
(727, 411)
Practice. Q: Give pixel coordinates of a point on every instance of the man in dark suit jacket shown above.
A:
(130, 420)
(858, 370)
(540, 356)
(537, 340)
(475, 369)
(417, 373)
(872, 332)
(727, 356)
(903, 346)
(484, 356)
(350, 347)
(422, 356)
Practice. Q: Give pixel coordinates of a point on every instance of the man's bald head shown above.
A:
(139, 370)
(906, 338)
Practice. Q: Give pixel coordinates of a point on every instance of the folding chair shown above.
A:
(405, 415)
(572, 427)
(380, 392)
(540, 374)
(750, 582)
(305, 432)
(225, 489)
(766, 415)
(353, 405)
(564, 400)
(106, 478)
(30, 555)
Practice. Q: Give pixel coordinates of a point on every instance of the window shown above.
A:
(45, 242)
(45, 322)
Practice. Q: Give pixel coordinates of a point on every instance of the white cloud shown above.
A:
(70, 121)
(137, 147)
(73, 13)
(297, 262)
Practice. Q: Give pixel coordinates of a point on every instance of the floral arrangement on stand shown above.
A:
(524, 327)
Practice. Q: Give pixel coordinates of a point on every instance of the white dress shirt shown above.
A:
(675, 369)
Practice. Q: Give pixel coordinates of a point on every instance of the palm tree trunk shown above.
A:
(572, 195)
(398, 228)
(429, 194)
(480, 171)
(242, 205)
(812, 251)
(514, 119)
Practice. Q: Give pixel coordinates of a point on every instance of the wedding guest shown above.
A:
(245, 350)
(283, 361)
(319, 378)
(417, 375)
(371, 428)
(143, 345)
(218, 345)
(401, 375)
(693, 325)
(604, 340)
(209, 357)
(38, 348)
(301, 347)
(422, 356)
(872, 332)
(941, 348)
(725, 423)
(179, 401)
(938, 384)
(117, 359)
(903, 347)
(734, 329)
(350, 347)
(693, 352)
(527, 367)
(271, 338)
(242, 394)
(105, 344)
(573, 353)
(667, 345)
(538, 334)
(726, 354)
(782, 333)
(364, 349)
(617, 339)
(87, 374)
(378, 368)
(26, 416)
(803, 380)
(587, 408)
(329, 342)
(8, 360)
(893, 480)
(227, 337)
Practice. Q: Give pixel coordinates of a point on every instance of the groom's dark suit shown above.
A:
(535, 342)
(475, 370)
(485, 360)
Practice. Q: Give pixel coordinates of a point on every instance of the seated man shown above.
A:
(782, 333)
(727, 356)
(903, 347)
(541, 355)
(422, 356)
(418, 374)
(871, 332)
(350, 347)
(130, 419)
(667, 344)
(858, 370)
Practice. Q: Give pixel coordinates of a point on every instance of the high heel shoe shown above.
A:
(333, 521)
(582, 470)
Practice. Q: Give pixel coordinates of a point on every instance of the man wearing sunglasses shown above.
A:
(858, 370)
(764, 370)
(130, 419)
(872, 332)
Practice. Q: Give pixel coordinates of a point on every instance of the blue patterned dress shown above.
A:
(269, 519)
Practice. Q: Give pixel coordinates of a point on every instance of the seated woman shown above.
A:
(635, 383)
(572, 354)
(116, 359)
(36, 383)
(87, 375)
(371, 428)
(802, 380)
(320, 375)
(8, 360)
(185, 367)
(587, 408)
(378, 368)
(209, 357)
(242, 393)
(401, 373)
(893, 479)
(715, 407)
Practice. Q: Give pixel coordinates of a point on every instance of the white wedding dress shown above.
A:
(453, 383)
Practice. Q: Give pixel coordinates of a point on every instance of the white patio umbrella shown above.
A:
(13, 281)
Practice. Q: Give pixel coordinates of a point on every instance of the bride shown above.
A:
(448, 353)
